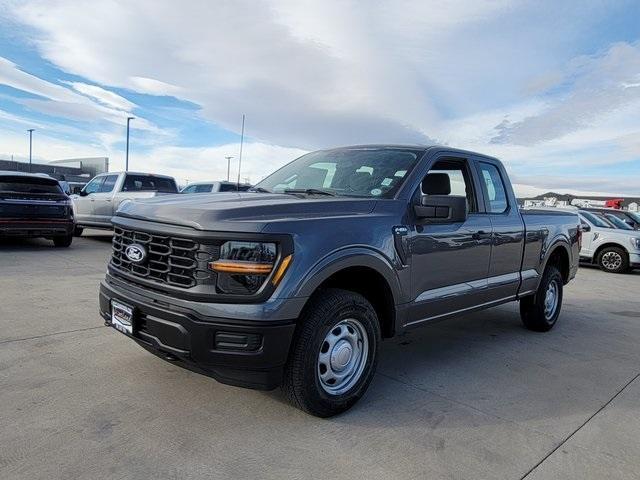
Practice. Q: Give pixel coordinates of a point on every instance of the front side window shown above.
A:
(353, 172)
(204, 188)
(94, 185)
(450, 177)
(494, 188)
(596, 221)
(108, 184)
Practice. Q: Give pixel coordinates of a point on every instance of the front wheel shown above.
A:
(540, 311)
(334, 353)
(77, 231)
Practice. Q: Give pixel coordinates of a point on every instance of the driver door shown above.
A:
(449, 261)
(83, 202)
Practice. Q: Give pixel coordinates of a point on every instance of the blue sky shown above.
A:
(552, 88)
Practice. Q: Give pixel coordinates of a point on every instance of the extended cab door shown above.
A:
(507, 240)
(449, 261)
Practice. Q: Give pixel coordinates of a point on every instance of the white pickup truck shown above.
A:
(98, 201)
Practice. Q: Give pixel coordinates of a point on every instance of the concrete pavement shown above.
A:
(475, 397)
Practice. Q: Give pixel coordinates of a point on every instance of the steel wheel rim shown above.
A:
(611, 260)
(343, 356)
(551, 300)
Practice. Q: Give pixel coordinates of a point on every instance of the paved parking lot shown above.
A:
(473, 398)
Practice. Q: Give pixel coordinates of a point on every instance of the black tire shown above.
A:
(613, 260)
(63, 242)
(302, 383)
(77, 231)
(535, 312)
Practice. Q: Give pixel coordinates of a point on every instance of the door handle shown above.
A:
(480, 234)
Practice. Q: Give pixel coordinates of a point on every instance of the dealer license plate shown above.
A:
(122, 317)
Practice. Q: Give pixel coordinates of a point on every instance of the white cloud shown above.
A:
(105, 97)
(490, 76)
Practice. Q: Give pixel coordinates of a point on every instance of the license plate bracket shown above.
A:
(122, 317)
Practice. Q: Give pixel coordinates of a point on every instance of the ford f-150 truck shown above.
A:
(295, 282)
(100, 198)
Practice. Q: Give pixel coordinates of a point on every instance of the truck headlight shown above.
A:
(635, 241)
(244, 267)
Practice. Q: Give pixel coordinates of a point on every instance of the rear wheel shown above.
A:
(334, 353)
(63, 241)
(613, 260)
(540, 311)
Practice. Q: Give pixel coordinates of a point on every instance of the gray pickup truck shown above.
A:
(295, 282)
(100, 198)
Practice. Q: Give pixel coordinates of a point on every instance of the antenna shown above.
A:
(240, 157)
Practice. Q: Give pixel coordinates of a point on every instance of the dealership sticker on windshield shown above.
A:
(122, 317)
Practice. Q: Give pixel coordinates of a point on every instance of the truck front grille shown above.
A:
(169, 260)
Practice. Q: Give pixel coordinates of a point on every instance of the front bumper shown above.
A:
(634, 260)
(236, 352)
(40, 227)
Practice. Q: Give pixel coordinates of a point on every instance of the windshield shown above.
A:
(366, 172)
(597, 221)
(29, 185)
(617, 222)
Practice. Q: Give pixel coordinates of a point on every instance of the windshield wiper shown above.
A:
(259, 190)
(309, 191)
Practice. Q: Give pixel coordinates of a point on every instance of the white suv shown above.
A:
(612, 249)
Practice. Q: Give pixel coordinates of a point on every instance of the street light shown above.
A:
(126, 162)
(30, 145)
(228, 166)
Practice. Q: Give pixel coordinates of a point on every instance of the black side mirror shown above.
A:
(442, 208)
(83, 193)
(585, 227)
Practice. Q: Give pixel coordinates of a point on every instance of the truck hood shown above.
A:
(244, 211)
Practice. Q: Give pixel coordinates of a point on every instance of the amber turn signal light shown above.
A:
(281, 269)
(240, 267)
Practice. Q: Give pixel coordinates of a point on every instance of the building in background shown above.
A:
(75, 171)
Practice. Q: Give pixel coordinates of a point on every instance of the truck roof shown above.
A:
(408, 146)
(136, 173)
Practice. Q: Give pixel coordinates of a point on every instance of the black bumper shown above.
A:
(241, 353)
(41, 227)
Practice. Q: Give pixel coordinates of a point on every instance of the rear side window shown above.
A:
(225, 187)
(144, 183)
(495, 191)
(28, 185)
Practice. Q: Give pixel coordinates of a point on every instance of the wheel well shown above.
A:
(560, 258)
(607, 245)
(372, 286)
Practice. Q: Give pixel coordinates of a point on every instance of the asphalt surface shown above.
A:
(472, 398)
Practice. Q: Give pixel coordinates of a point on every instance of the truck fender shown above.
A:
(350, 257)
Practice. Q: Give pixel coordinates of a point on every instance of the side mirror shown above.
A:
(585, 227)
(442, 208)
(83, 193)
(76, 190)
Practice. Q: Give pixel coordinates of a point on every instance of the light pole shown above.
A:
(30, 145)
(228, 167)
(126, 162)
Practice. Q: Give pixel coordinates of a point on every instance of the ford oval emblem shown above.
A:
(136, 253)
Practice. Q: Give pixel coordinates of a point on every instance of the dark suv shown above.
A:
(33, 205)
